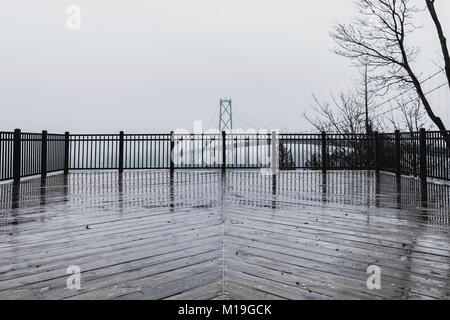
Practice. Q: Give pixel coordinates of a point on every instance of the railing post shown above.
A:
(377, 152)
(275, 154)
(44, 155)
(172, 147)
(324, 152)
(397, 154)
(423, 164)
(121, 139)
(66, 152)
(224, 150)
(16, 155)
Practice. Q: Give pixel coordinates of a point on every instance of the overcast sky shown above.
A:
(152, 66)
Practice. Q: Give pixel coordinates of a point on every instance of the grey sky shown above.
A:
(148, 66)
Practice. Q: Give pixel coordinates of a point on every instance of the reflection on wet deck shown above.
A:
(202, 235)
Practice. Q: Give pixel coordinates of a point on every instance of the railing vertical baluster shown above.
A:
(423, 164)
(275, 153)
(66, 152)
(397, 154)
(121, 138)
(324, 152)
(44, 155)
(224, 150)
(172, 147)
(377, 152)
(16, 155)
(257, 150)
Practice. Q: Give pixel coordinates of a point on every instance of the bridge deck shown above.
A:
(242, 236)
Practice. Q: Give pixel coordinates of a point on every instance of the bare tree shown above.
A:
(345, 114)
(366, 90)
(348, 109)
(441, 35)
(412, 118)
(378, 35)
(411, 115)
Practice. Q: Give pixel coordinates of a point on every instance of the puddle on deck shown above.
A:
(36, 200)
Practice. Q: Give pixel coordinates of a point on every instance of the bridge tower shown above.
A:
(226, 115)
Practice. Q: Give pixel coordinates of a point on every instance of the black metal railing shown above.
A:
(6, 155)
(196, 151)
(423, 154)
(24, 154)
(437, 156)
(248, 151)
(93, 151)
(301, 151)
(400, 152)
(412, 153)
(349, 152)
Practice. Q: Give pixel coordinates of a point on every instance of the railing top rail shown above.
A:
(386, 134)
(437, 132)
(91, 138)
(93, 134)
(249, 134)
(299, 133)
(228, 133)
(55, 134)
(199, 134)
(147, 134)
(116, 134)
(351, 134)
(31, 133)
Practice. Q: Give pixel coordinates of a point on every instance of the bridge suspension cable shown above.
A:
(252, 121)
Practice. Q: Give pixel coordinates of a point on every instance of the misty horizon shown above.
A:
(159, 66)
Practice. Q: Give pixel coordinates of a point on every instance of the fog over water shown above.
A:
(154, 66)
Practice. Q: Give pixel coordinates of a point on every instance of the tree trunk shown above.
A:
(436, 120)
(442, 39)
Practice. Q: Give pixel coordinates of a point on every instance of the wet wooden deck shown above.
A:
(242, 236)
